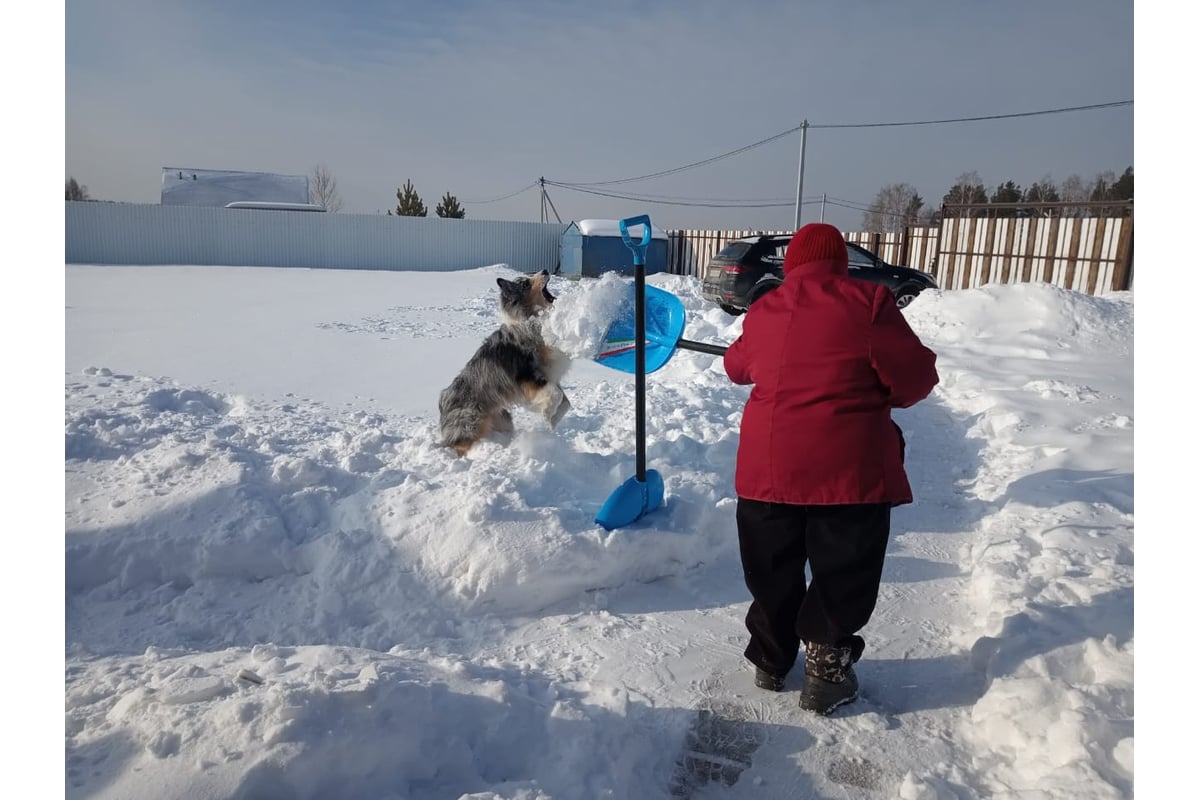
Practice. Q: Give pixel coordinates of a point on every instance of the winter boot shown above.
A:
(767, 680)
(829, 679)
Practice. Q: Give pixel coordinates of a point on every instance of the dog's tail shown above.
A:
(460, 429)
(461, 422)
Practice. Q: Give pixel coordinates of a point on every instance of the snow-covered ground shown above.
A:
(278, 586)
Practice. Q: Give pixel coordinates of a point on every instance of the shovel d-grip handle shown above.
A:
(638, 248)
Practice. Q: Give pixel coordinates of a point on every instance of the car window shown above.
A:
(859, 257)
(774, 255)
(734, 250)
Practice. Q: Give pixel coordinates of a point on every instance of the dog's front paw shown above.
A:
(560, 412)
(502, 421)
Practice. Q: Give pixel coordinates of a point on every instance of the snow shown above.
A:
(216, 187)
(277, 585)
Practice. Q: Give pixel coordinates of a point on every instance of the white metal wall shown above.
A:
(120, 233)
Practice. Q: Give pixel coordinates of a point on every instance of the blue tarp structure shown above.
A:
(591, 247)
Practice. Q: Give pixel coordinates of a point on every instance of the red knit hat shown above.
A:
(816, 241)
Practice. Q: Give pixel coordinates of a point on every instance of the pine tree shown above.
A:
(1007, 192)
(967, 189)
(75, 191)
(1102, 186)
(409, 203)
(449, 208)
(1122, 189)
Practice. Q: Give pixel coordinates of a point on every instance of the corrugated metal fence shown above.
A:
(1092, 254)
(119, 233)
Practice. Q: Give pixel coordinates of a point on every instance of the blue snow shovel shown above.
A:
(641, 345)
(644, 491)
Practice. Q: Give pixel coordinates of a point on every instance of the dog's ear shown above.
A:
(503, 284)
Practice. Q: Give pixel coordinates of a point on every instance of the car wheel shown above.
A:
(906, 295)
(763, 287)
(731, 311)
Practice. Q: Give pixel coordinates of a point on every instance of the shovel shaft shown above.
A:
(639, 330)
(701, 347)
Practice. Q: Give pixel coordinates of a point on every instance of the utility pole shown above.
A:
(549, 204)
(800, 176)
(822, 206)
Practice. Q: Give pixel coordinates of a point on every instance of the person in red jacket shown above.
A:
(820, 463)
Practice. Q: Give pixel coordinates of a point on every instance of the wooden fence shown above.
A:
(1092, 254)
(914, 247)
(689, 251)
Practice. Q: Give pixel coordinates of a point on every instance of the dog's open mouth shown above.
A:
(545, 276)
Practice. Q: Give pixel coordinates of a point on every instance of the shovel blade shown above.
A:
(665, 320)
(630, 501)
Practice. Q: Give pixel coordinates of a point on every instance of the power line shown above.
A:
(645, 196)
(698, 202)
(861, 206)
(976, 119)
(661, 173)
(502, 197)
(720, 203)
(879, 211)
(780, 135)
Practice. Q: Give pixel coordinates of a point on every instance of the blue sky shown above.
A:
(481, 99)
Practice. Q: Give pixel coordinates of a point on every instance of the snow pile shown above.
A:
(278, 585)
(1052, 567)
(583, 312)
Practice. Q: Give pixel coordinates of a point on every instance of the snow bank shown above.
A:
(1041, 370)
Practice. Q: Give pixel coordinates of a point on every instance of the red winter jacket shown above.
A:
(829, 357)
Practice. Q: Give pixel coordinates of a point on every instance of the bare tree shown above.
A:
(896, 206)
(322, 189)
(1073, 190)
(1043, 191)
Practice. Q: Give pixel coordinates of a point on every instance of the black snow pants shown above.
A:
(843, 547)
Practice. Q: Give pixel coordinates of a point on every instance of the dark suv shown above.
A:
(746, 269)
